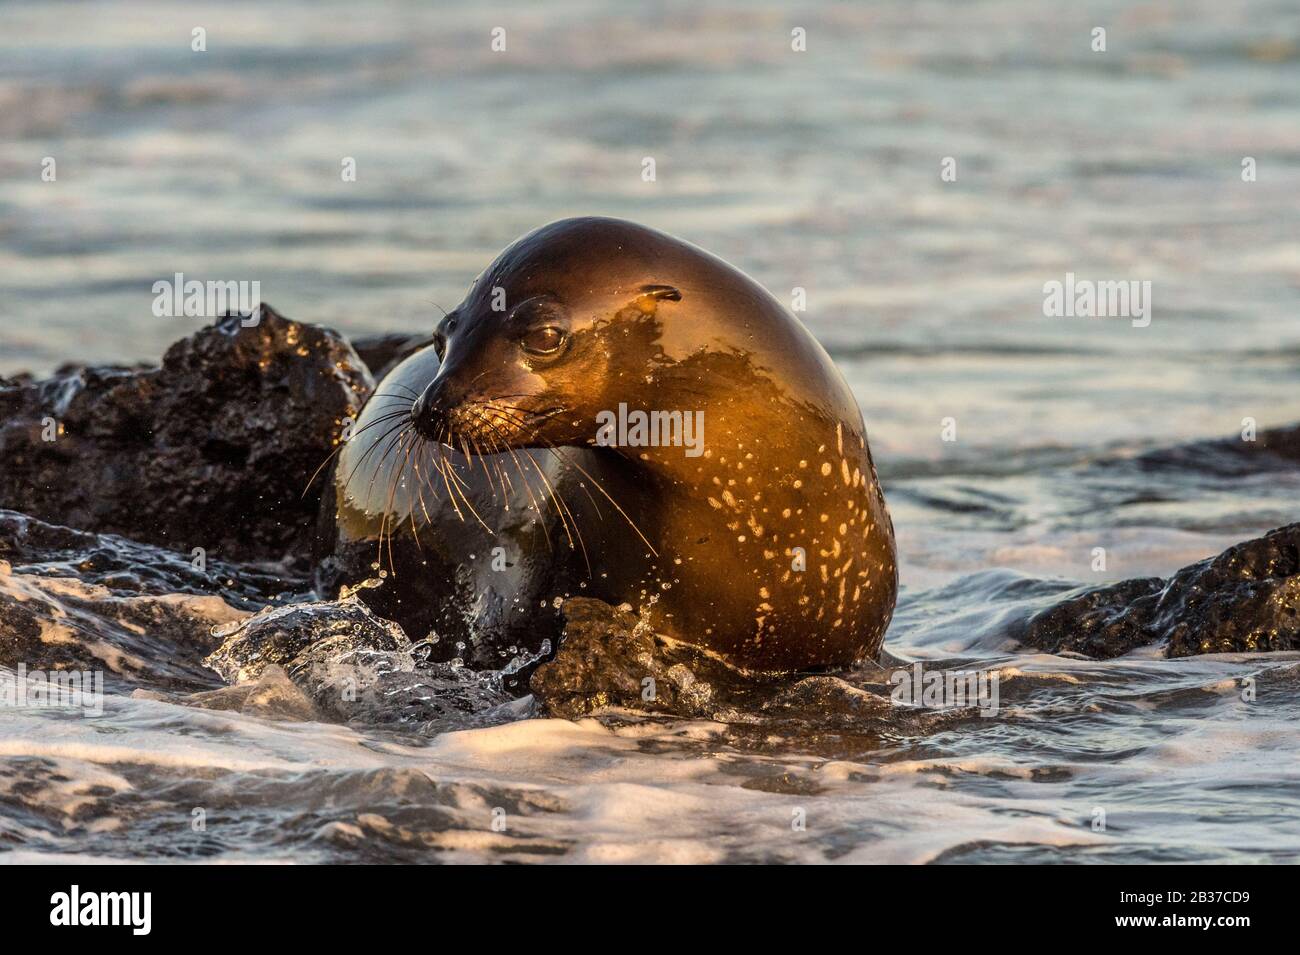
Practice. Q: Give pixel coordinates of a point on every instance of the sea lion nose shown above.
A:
(427, 412)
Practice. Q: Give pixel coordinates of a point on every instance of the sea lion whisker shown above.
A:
(532, 435)
(365, 454)
(497, 445)
(582, 543)
(482, 460)
(442, 470)
(406, 464)
(445, 469)
(452, 472)
(436, 465)
(565, 459)
(524, 418)
(464, 496)
(420, 454)
(502, 475)
(494, 448)
(601, 489)
(416, 444)
(561, 509)
(387, 416)
(339, 447)
(528, 489)
(419, 497)
(419, 486)
(392, 443)
(388, 508)
(320, 467)
(395, 413)
(520, 420)
(456, 443)
(384, 394)
(398, 384)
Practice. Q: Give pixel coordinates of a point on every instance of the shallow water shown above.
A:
(817, 170)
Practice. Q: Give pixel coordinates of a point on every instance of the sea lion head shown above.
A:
(555, 330)
(583, 314)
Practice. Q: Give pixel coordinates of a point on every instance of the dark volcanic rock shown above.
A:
(609, 658)
(1247, 599)
(213, 449)
(127, 567)
(605, 658)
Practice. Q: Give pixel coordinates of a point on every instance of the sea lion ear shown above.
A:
(661, 293)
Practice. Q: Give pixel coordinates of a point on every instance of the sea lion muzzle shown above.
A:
(431, 412)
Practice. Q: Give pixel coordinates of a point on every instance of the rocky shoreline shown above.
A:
(1245, 600)
(208, 460)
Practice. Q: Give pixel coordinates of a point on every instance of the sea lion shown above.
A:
(613, 412)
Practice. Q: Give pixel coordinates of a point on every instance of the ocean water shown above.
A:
(818, 170)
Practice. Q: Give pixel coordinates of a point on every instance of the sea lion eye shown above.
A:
(546, 340)
(445, 328)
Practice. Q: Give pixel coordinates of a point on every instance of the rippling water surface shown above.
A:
(818, 170)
